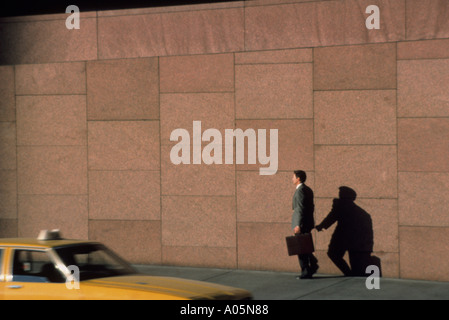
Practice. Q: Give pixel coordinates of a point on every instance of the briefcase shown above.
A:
(300, 244)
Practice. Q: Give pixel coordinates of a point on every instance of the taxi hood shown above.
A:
(168, 287)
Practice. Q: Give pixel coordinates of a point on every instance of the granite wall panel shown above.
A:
(40, 41)
(257, 241)
(7, 94)
(123, 145)
(422, 88)
(51, 78)
(295, 144)
(8, 228)
(51, 120)
(274, 56)
(271, 91)
(426, 49)
(266, 198)
(124, 195)
(38, 212)
(135, 240)
(424, 252)
(423, 144)
(355, 117)
(427, 19)
(170, 33)
(321, 23)
(8, 157)
(371, 66)
(86, 117)
(126, 89)
(295, 25)
(197, 73)
(206, 257)
(8, 194)
(52, 170)
(198, 221)
(420, 206)
(370, 170)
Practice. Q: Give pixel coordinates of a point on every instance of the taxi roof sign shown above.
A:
(54, 234)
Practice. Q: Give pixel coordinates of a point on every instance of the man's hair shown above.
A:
(301, 175)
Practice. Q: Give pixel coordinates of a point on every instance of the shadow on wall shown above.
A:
(354, 233)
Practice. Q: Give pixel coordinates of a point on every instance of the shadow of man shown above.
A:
(354, 233)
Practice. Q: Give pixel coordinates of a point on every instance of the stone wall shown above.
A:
(86, 117)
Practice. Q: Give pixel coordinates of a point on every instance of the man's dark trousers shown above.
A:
(307, 262)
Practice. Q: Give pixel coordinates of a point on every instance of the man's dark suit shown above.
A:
(303, 208)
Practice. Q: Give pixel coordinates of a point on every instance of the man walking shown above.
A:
(303, 221)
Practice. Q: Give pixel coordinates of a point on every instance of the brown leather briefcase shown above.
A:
(300, 244)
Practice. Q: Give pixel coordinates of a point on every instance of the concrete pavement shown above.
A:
(267, 285)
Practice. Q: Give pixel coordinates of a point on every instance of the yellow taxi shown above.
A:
(50, 267)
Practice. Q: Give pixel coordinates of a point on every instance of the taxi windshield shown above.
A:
(94, 261)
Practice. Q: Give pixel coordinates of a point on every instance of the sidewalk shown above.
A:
(267, 285)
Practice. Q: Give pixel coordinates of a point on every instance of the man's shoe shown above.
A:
(314, 269)
(304, 275)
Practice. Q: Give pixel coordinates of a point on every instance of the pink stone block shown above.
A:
(266, 198)
(198, 221)
(274, 56)
(45, 17)
(171, 33)
(295, 143)
(205, 257)
(391, 16)
(51, 78)
(7, 94)
(197, 179)
(214, 110)
(172, 8)
(420, 206)
(198, 73)
(51, 120)
(294, 25)
(8, 194)
(253, 3)
(66, 213)
(8, 228)
(355, 117)
(52, 170)
(262, 246)
(370, 170)
(422, 89)
(427, 49)
(274, 91)
(123, 89)
(7, 146)
(48, 41)
(424, 252)
(423, 144)
(124, 195)
(138, 241)
(371, 66)
(427, 19)
(124, 145)
(321, 23)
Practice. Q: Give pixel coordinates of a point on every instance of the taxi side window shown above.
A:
(34, 266)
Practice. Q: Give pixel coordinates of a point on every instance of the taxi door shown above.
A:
(31, 274)
(2, 272)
